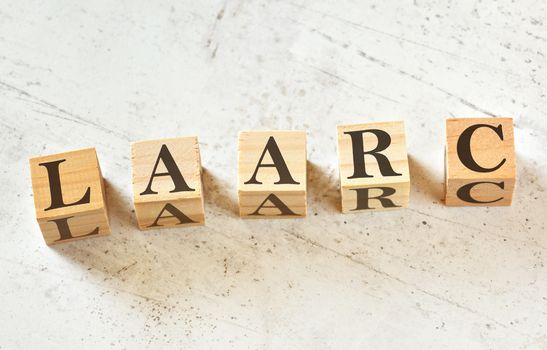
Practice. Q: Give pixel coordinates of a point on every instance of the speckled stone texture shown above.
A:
(102, 74)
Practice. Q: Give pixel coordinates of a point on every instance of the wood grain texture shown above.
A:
(488, 150)
(253, 153)
(396, 154)
(147, 162)
(79, 172)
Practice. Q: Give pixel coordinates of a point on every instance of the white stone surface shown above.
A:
(78, 74)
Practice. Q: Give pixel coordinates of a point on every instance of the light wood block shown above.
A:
(373, 161)
(272, 174)
(480, 162)
(69, 196)
(167, 186)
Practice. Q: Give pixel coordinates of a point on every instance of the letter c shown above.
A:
(464, 148)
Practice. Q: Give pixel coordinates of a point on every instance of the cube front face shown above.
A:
(373, 162)
(480, 162)
(69, 196)
(167, 186)
(272, 175)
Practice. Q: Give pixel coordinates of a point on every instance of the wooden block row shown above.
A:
(69, 192)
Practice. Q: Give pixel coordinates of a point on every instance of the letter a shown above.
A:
(278, 163)
(175, 213)
(172, 171)
(277, 203)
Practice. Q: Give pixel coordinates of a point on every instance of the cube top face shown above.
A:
(252, 152)
(353, 140)
(490, 141)
(78, 171)
(183, 152)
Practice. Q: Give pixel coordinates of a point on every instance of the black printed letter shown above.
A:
(64, 229)
(464, 148)
(363, 197)
(183, 219)
(464, 192)
(172, 170)
(55, 187)
(278, 163)
(277, 203)
(384, 140)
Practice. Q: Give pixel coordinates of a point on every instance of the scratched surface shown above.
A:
(427, 277)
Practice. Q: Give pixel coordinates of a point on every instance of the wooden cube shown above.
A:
(167, 187)
(69, 196)
(374, 173)
(272, 174)
(480, 162)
